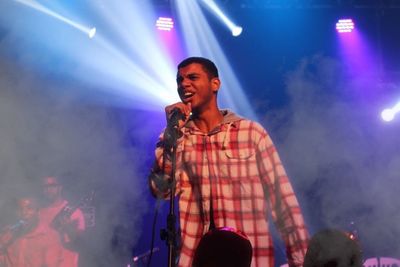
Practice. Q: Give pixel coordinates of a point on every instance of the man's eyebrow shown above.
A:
(180, 77)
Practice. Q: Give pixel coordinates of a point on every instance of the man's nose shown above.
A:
(185, 82)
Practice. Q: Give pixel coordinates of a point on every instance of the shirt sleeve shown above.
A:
(285, 209)
(160, 174)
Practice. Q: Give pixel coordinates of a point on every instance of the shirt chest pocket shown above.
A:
(238, 154)
(236, 162)
(238, 151)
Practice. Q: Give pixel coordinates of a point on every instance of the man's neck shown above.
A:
(207, 120)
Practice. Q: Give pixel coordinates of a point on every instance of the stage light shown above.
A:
(200, 40)
(92, 32)
(389, 113)
(235, 29)
(133, 63)
(37, 6)
(345, 25)
(165, 24)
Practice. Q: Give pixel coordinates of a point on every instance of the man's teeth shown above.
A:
(188, 94)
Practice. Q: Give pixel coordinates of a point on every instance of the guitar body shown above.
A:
(63, 217)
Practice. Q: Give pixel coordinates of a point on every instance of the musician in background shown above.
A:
(61, 218)
(26, 243)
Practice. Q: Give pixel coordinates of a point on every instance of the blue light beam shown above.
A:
(235, 29)
(200, 40)
(35, 5)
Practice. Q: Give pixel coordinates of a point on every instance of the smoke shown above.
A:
(51, 126)
(343, 161)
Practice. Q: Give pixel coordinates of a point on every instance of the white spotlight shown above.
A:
(92, 32)
(237, 30)
(39, 7)
(387, 114)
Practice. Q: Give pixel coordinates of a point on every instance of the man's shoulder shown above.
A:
(231, 117)
(250, 125)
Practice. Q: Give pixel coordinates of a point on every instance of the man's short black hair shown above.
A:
(207, 65)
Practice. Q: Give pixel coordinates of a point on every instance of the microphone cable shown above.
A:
(153, 230)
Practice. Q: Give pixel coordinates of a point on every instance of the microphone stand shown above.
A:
(171, 135)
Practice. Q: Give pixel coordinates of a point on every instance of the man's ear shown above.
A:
(215, 84)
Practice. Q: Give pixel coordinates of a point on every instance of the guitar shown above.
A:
(63, 216)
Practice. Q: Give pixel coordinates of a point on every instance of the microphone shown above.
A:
(172, 131)
(175, 116)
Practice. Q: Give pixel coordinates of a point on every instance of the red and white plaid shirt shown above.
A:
(237, 167)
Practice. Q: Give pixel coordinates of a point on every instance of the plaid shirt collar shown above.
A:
(230, 118)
